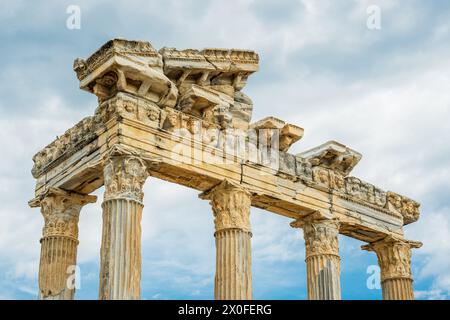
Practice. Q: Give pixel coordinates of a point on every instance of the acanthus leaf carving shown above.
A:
(320, 233)
(409, 209)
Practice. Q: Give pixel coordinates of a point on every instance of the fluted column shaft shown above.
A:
(231, 207)
(59, 243)
(120, 257)
(322, 257)
(394, 259)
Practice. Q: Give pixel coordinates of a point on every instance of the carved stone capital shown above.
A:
(231, 206)
(124, 177)
(320, 233)
(61, 210)
(394, 256)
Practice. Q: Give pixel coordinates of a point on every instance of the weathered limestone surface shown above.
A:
(59, 242)
(231, 207)
(322, 257)
(182, 116)
(394, 258)
(120, 260)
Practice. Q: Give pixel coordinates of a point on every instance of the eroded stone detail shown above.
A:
(333, 155)
(321, 235)
(394, 257)
(408, 208)
(60, 210)
(322, 256)
(231, 206)
(150, 101)
(128, 66)
(71, 141)
(210, 83)
(124, 177)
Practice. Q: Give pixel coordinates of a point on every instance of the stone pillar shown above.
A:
(120, 256)
(322, 257)
(59, 242)
(231, 207)
(394, 259)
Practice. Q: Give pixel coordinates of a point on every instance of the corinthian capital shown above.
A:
(394, 256)
(231, 206)
(320, 233)
(61, 210)
(124, 177)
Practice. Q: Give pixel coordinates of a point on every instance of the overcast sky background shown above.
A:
(384, 93)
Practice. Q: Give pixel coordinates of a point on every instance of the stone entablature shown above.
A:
(168, 119)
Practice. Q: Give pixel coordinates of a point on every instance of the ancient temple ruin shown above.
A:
(182, 116)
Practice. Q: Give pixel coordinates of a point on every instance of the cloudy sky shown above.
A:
(385, 93)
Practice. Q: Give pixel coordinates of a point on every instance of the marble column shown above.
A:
(394, 259)
(231, 207)
(59, 242)
(322, 257)
(120, 256)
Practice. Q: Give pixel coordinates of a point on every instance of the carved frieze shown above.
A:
(303, 169)
(321, 177)
(408, 208)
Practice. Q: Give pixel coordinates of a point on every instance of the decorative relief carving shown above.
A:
(71, 141)
(85, 132)
(231, 206)
(128, 66)
(394, 257)
(303, 169)
(124, 177)
(408, 208)
(321, 235)
(61, 210)
(210, 83)
(119, 47)
(333, 155)
(321, 176)
(380, 197)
